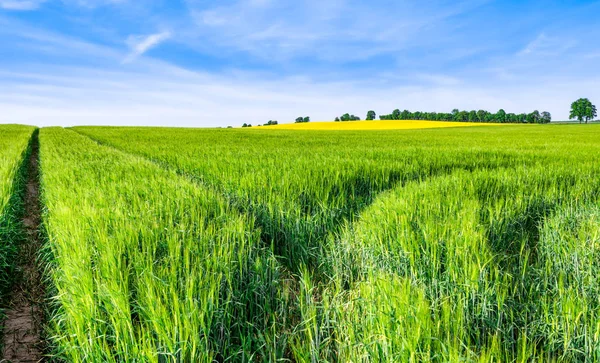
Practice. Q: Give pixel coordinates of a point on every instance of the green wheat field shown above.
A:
(473, 244)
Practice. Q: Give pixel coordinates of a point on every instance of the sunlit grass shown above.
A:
(465, 244)
(14, 141)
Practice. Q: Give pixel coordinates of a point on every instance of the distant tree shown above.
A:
(583, 109)
(546, 117)
(455, 113)
(271, 122)
(245, 125)
(337, 119)
(482, 115)
(229, 127)
(462, 116)
(371, 115)
(500, 116)
(299, 120)
(306, 119)
(534, 117)
(522, 117)
(472, 116)
(345, 117)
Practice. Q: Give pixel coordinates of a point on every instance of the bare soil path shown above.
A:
(23, 323)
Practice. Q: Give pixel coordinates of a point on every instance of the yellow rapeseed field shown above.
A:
(373, 125)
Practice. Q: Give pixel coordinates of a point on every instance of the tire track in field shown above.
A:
(277, 238)
(23, 322)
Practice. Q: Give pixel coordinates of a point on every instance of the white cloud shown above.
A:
(141, 44)
(157, 93)
(20, 5)
(101, 84)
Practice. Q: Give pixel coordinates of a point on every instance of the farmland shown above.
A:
(14, 141)
(441, 244)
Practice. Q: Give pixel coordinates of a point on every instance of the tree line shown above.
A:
(457, 115)
(582, 110)
(347, 117)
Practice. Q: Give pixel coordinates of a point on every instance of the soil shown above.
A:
(23, 323)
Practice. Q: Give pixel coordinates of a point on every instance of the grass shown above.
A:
(140, 275)
(456, 244)
(373, 125)
(14, 142)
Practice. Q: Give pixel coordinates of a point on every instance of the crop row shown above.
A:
(14, 141)
(438, 245)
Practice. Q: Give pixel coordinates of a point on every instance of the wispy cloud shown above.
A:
(158, 93)
(141, 44)
(236, 61)
(20, 5)
(331, 30)
(546, 45)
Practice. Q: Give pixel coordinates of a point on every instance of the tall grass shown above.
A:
(14, 142)
(499, 282)
(147, 266)
(471, 244)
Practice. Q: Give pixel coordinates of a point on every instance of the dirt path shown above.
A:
(22, 326)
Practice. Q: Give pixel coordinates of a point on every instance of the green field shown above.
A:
(205, 245)
(14, 141)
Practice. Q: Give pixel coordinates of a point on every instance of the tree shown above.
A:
(462, 116)
(306, 119)
(546, 117)
(345, 117)
(371, 115)
(472, 116)
(534, 117)
(481, 114)
(396, 114)
(337, 119)
(583, 109)
(500, 116)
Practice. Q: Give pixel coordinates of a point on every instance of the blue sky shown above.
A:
(218, 63)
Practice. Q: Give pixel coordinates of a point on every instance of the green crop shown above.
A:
(14, 141)
(471, 244)
(147, 266)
